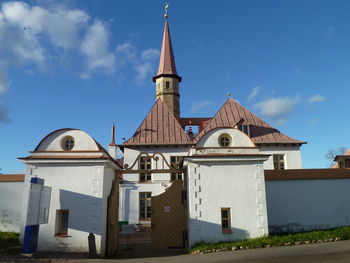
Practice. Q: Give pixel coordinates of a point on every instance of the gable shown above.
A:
(232, 113)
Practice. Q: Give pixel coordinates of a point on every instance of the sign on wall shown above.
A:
(39, 204)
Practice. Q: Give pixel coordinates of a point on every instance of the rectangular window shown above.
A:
(341, 164)
(175, 164)
(226, 220)
(62, 222)
(145, 205)
(245, 129)
(167, 84)
(278, 161)
(145, 164)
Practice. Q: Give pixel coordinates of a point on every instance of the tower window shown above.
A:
(278, 161)
(67, 143)
(167, 84)
(225, 140)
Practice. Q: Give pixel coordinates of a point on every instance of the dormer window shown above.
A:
(245, 129)
(67, 143)
(225, 140)
(341, 164)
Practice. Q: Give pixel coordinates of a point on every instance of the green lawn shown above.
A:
(8, 239)
(342, 233)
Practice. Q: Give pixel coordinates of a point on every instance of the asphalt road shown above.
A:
(322, 252)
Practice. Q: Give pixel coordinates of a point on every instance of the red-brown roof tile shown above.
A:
(260, 131)
(160, 127)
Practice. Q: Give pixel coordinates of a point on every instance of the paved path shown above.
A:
(323, 252)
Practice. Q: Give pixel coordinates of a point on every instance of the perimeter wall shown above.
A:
(307, 199)
(11, 193)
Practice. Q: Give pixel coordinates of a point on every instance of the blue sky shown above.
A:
(85, 64)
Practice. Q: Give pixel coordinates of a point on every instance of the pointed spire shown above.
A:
(167, 65)
(113, 135)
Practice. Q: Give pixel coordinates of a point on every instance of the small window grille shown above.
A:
(225, 140)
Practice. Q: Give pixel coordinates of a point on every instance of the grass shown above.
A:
(8, 239)
(342, 233)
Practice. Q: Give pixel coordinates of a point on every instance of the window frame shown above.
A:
(279, 164)
(145, 163)
(61, 229)
(146, 209)
(227, 229)
(174, 163)
(70, 145)
(225, 136)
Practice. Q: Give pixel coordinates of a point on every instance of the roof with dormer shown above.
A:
(232, 113)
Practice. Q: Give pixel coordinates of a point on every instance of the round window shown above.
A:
(67, 143)
(225, 140)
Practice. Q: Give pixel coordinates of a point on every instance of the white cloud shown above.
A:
(252, 95)
(4, 81)
(142, 61)
(277, 109)
(316, 98)
(150, 54)
(95, 48)
(3, 113)
(197, 106)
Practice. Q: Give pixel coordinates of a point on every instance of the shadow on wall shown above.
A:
(85, 211)
(202, 231)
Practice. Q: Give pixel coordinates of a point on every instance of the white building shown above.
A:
(234, 137)
(81, 175)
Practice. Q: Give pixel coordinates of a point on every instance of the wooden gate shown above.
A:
(112, 219)
(169, 222)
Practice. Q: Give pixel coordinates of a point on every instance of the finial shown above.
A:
(228, 94)
(166, 10)
(113, 135)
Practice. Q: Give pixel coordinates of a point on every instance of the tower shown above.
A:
(167, 80)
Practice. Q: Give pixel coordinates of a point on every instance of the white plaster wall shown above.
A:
(10, 206)
(215, 185)
(79, 188)
(302, 205)
(129, 190)
(83, 141)
(292, 156)
(239, 139)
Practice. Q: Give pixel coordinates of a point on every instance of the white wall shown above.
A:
(292, 156)
(217, 184)
(302, 205)
(10, 206)
(83, 189)
(131, 187)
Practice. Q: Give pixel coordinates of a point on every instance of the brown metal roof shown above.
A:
(11, 177)
(160, 127)
(260, 131)
(167, 61)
